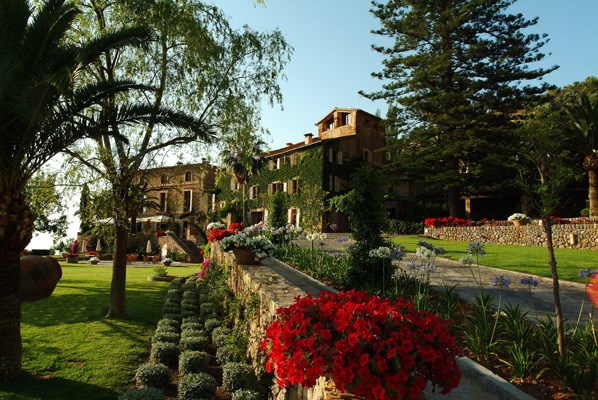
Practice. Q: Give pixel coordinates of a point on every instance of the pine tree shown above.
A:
(83, 212)
(453, 75)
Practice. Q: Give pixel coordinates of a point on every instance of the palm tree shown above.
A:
(44, 108)
(584, 116)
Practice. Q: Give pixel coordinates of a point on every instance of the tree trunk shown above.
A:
(16, 228)
(593, 191)
(556, 294)
(456, 207)
(119, 273)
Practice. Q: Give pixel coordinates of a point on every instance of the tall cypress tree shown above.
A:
(453, 78)
(86, 224)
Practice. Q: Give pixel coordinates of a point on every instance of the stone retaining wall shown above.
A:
(260, 285)
(576, 236)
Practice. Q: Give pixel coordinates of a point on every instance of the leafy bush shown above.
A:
(165, 353)
(237, 376)
(197, 386)
(169, 322)
(166, 329)
(153, 375)
(193, 361)
(399, 227)
(585, 212)
(220, 335)
(194, 308)
(160, 270)
(194, 343)
(245, 395)
(147, 393)
(206, 308)
(166, 337)
(211, 324)
(172, 302)
(192, 331)
(171, 309)
(193, 319)
(277, 210)
(171, 315)
(191, 325)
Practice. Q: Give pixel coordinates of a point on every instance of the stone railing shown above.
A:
(576, 236)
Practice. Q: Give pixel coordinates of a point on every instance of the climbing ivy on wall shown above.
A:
(310, 200)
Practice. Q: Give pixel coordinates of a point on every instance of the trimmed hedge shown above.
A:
(193, 362)
(197, 386)
(153, 375)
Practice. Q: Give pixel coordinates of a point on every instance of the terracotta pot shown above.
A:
(519, 222)
(72, 260)
(167, 278)
(245, 257)
(167, 264)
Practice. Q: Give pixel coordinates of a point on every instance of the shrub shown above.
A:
(585, 212)
(188, 332)
(193, 320)
(245, 395)
(211, 324)
(237, 376)
(166, 329)
(277, 210)
(171, 309)
(166, 337)
(170, 301)
(206, 308)
(219, 335)
(188, 313)
(153, 375)
(171, 315)
(197, 386)
(165, 353)
(169, 322)
(190, 307)
(191, 325)
(148, 393)
(398, 227)
(224, 354)
(193, 361)
(194, 343)
(173, 293)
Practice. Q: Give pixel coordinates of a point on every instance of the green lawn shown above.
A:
(531, 260)
(70, 351)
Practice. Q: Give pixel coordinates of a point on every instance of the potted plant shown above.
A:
(248, 250)
(72, 258)
(94, 260)
(160, 274)
(519, 219)
(367, 345)
(167, 261)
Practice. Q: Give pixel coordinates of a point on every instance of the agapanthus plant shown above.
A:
(370, 346)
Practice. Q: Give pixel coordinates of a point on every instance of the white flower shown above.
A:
(518, 217)
(381, 252)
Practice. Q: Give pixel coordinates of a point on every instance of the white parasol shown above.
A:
(99, 246)
(148, 247)
(84, 246)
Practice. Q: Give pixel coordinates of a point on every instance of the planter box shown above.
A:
(245, 257)
(72, 260)
(160, 278)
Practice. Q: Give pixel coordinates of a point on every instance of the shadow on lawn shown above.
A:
(50, 388)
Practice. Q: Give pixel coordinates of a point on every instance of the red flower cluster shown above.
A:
(93, 253)
(447, 221)
(216, 234)
(371, 346)
(71, 255)
(160, 233)
(573, 221)
(235, 227)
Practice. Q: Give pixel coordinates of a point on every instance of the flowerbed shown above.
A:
(373, 346)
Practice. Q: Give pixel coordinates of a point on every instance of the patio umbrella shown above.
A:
(148, 247)
(84, 246)
(99, 246)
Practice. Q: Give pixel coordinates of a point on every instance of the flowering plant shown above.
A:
(217, 234)
(519, 217)
(213, 225)
(94, 260)
(93, 253)
(167, 260)
(261, 246)
(160, 233)
(235, 227)
(378, 348)
(446, 221)
(71, 255)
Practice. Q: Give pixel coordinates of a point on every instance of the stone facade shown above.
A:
(575, 236)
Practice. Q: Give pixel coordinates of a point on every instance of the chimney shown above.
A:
(289, 144)
(204, 160)
(308, 138)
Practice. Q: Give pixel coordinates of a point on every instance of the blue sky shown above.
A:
(333, 59)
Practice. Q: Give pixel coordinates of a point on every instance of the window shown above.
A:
(293, 186)
(346, 119)
(330, 124)
(234, 185)
(188, 176)
(163, 179)
(367, 156)
(331, 183)
(188, 200)
(163, 199)
(254, 192)
(339, 157)
(294, 159)
(276, 187)
(331, 155)
(293, 214)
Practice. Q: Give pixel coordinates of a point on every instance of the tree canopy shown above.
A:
(454, 75)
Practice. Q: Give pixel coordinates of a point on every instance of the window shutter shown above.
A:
(337, 185)
(340, 157)
(297, 190)
(251, 193)
(294, 158)
(284, 187)
(269, 188)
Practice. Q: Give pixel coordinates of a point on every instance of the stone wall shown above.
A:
(576, 236)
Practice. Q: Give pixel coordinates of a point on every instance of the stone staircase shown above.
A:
(186, 246)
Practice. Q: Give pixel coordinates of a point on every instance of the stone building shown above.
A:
(175, 196)
(313, 170)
